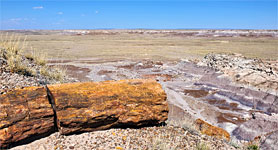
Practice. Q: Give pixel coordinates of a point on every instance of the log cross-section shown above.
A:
(25, 114)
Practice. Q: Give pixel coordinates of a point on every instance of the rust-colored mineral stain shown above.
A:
(210, 130)
(196, 93)
(216, 102)
(103, 72)
(227, 117)
(80, 107)
(234, 105)
(24, 113)
(223, 104)
(91, 106)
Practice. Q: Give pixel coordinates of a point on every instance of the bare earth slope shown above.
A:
(210, 93)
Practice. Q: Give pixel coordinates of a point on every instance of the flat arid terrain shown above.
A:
(150, 44)
(221, 85)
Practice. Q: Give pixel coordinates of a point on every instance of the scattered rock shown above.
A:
(252, 72)
(202, 92)
(11, 79)
(270, 142)
(167, 137)
(252, 128)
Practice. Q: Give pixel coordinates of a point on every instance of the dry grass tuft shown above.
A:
(56, 73)
(162, 143)
(32, 63)
(12, 51)
(202, 146)
(186, 124)
(40, 58)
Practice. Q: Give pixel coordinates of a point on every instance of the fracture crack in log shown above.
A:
(52, 102)
(32, 113)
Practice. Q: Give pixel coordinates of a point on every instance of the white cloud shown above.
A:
(18, 19)
(15, 19)
(38, 7)
(96, 11)
(60, 13)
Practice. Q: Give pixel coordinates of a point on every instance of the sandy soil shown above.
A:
(150, 44)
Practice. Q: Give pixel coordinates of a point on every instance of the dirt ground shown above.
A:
(148, 44)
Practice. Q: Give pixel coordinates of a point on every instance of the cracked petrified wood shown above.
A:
(24, 113)
(90, 106)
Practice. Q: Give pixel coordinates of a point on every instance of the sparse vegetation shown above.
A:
(162, 143)
(165, 141)
(252, 147)
(234, 144)
(202, 146)
(28, 64)
(56, 73)
(150, 46)
(186, 124)
(153, 46)
(39, 58)
(12, 51)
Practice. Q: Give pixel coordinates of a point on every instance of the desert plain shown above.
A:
(228, 78)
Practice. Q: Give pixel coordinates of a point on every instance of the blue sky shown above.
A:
(156, 14)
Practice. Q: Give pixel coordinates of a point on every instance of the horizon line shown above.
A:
(147, 29)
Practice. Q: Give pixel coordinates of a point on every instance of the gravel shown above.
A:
(10, 80)
(261, 74)
(164, 137)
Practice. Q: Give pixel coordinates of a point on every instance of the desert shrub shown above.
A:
(253, 147)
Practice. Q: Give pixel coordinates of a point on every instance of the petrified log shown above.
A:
(210, 130)
(24, 114)
(91, 106)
